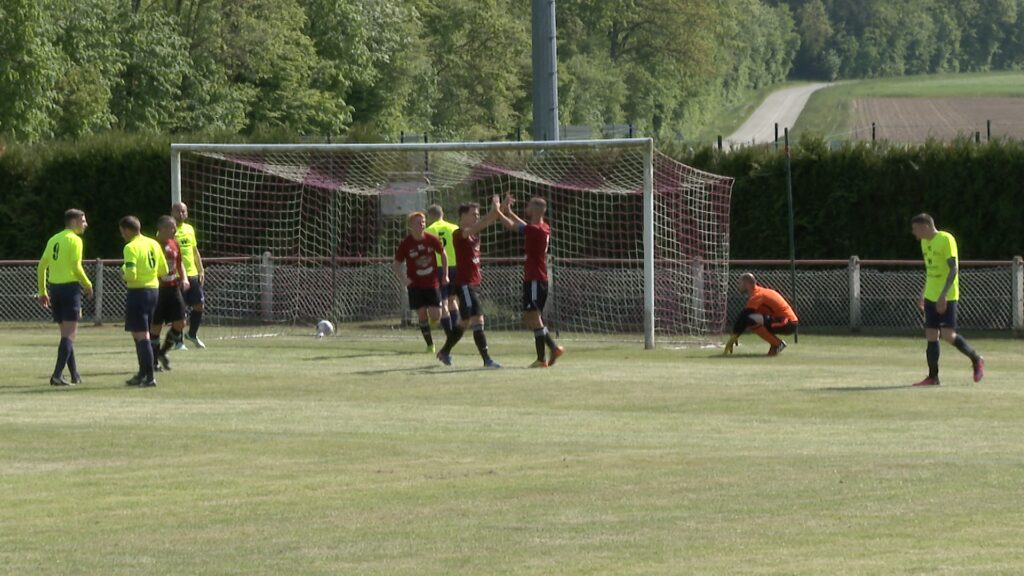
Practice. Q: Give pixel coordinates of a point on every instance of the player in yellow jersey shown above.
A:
(445, 232)
(62, 280)
(940, 297)
(144, 264)
(195, 296)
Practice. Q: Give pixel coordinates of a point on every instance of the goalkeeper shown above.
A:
(766, 314)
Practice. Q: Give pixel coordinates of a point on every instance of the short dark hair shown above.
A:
(467, 207)
(923, 218)
(748, 277)
(130, 223)
(435, 211)
(72, 214)
(164, 221)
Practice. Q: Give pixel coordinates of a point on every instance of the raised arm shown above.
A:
(490, 218)
(508, 217)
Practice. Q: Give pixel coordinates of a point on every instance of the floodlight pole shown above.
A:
(545, 71)
(792, 228)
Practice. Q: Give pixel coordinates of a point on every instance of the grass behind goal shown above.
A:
(365, 456)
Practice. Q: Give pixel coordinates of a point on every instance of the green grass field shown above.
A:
(295, 456)
(828, 111)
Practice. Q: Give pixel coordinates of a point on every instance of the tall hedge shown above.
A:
(108, 176)
(853, 200)
(859, 199)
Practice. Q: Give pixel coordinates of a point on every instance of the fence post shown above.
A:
(1018, 296)
(267, 287)
(97, 294)
(854, 277)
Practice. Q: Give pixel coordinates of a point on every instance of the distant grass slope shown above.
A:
(829, 111)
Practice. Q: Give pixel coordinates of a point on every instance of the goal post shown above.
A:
(626, 221)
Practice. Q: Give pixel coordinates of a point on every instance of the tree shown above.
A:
(29, 70)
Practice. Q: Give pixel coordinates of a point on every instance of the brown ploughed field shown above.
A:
(917, 119)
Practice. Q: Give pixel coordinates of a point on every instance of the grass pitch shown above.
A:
(296, 456)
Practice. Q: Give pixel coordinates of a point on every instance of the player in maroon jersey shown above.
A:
(467, 282)
(170, 305)
(537, 235)
(421, 278)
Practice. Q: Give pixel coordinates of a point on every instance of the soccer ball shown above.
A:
(324, 328)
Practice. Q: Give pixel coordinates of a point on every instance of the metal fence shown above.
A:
(832, 295)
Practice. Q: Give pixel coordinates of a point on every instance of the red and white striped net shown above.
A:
(329, 220)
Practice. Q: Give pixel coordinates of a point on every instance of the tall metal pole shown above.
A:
(792, 228)
(545, 71)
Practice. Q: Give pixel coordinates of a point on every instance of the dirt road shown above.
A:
(783, 106)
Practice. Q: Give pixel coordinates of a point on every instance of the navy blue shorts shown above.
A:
(445, 292)
(139, 308)
(934, 320)
(194, 296)
(66, 302)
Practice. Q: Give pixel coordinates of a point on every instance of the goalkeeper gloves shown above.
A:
(733, 340)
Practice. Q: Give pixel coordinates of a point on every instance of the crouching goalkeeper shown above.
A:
(766, 314)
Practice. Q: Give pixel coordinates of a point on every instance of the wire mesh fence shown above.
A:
(835, 296)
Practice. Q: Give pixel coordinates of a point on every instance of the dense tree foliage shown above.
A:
(869, 38)
(454, 68)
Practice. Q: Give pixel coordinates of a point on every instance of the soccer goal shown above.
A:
(297, 233)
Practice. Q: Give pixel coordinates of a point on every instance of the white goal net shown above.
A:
(639, 242)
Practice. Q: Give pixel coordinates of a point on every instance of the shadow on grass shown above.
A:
(866, 388)
(364, 355)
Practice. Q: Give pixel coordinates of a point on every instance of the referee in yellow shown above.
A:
(144, 264)
(62, 281)
(445, 232)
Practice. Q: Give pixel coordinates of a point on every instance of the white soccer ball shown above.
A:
(324, 328)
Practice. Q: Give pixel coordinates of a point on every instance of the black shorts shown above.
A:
(449, 290)
(138, 309)
(535, 295)
(195, 294)
(781, 325)
(469, 301)
(66, 302)
(424, 298)
(170, 306)
(932, 318)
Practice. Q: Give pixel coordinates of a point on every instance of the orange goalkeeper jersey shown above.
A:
(770, 303)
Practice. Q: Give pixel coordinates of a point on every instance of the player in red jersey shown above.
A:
(467, 282)
(421, 276)
(537, 235)
(170, 304)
